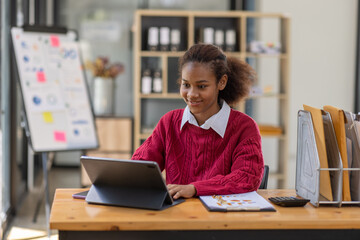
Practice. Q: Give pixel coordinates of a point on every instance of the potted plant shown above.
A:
(105, 74)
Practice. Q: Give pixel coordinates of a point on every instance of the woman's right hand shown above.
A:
(178, 191)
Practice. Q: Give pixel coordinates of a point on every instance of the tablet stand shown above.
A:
(129, 197)
(47, 159)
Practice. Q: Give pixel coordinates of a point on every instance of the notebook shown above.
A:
(127, 183)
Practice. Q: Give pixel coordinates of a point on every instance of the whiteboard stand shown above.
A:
(30, 172)
(56, 100)
(30, 155)
(46, 167)
(44, 159)
(47, 159)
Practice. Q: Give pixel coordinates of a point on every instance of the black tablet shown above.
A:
(127, 183)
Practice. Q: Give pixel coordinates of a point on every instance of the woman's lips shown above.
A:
(194, 103)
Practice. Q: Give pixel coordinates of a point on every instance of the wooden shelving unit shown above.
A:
(189, 23)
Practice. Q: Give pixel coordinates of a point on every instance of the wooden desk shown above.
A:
(76, 219)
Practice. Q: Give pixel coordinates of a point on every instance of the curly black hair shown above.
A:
(240, 74)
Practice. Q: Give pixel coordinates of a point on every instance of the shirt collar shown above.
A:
(217, 122)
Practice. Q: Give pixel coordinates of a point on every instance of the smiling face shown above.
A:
(200, 90)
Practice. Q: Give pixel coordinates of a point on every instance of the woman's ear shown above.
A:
(223, 81)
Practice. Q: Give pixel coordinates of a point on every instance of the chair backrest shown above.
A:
(264, 180)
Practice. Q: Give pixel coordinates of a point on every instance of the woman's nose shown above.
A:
(193, 92)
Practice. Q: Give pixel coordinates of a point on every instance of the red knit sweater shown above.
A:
(214, 165)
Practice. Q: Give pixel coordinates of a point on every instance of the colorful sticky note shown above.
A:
(60, 136)
(40, 76)
(54, 40)
(48, 118)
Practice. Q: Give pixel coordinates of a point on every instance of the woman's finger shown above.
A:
(177, 195)
(172, 192)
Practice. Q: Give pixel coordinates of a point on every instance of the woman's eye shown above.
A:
(186, 85)
(202, 86)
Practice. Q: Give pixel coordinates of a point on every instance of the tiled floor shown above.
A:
(23, 227)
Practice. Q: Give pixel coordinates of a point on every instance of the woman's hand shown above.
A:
(185, 191)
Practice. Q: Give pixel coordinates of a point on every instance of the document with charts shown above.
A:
(251, 201)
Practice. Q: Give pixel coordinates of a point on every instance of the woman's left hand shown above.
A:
(185, 191)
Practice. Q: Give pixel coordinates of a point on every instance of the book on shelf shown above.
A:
(270, 129)
(230, 40)
(164, 38)
(153, 39)
(219, 38)
(146, 82)
(206, 35)
(157, 82)
(175, 39)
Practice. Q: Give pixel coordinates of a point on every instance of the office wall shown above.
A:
(323, 48)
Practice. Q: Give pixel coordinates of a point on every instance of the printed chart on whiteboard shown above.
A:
(56, 98)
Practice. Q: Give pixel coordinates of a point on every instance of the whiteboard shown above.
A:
(56, 99)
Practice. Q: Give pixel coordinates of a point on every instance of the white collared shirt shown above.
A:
(217, 122)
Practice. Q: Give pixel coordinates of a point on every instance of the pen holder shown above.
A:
(308, 170)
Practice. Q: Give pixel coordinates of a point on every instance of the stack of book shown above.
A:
(163, 39)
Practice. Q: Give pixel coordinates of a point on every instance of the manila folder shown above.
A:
(338, 119)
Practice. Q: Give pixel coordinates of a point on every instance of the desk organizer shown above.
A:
(308, 165)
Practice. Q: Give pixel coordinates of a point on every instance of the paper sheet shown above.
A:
(251, 201)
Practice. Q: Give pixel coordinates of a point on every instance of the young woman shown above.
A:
(208, 148)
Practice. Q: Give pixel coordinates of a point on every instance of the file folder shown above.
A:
(338, 119)
(334, 157)
(352, 133)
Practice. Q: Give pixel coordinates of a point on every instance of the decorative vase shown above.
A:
(103, 96)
